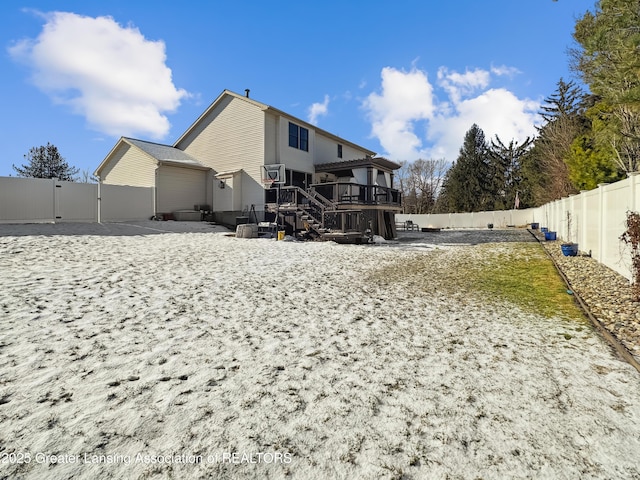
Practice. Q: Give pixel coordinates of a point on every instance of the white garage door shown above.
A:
(180, 188)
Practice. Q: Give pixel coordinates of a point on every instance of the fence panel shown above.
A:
(592, 239)
(499, 219)
(26, 200)
(616, 204)
(122, 203)
(39, 200)
(76, 202)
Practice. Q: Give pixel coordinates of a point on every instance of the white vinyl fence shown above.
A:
(36, 200)
(499, 219)
(593, 219)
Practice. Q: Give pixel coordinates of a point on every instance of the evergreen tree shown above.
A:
(607, 60)
(46, 162)
(546, 163)
(590, 160)
(467, 184)
(506, 165)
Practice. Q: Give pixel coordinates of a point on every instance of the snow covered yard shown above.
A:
(197, 355)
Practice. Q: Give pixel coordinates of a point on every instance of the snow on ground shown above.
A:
(198, 355)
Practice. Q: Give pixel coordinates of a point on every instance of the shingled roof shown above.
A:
(165, 153)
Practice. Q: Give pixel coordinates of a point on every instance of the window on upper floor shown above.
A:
(298, 137)
(339, 151)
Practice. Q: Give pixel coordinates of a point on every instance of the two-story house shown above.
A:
(219, 162)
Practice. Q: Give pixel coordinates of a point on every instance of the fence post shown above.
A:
(583, 229)
(602, 216)
(99, 201)
(57, 191)
(632, 190)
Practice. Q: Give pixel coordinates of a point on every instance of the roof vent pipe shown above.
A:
(246, 92)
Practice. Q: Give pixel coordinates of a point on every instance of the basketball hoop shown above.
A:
(273, 174)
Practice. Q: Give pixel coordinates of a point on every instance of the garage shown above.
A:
(180, 188)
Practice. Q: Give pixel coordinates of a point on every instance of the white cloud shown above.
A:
(504, 70)
(410, 121)
(112, 75)
(461, 84)
(406, 98)
(317, 110)
(495, 111)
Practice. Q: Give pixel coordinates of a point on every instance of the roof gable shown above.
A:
(211, 108)
(156, 151)
(165, 153)
(265, 107)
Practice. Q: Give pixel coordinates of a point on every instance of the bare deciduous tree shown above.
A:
(420, 183)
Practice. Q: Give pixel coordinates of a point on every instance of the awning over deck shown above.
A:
(380, 163)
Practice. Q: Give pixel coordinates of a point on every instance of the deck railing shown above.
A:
(338, 193)
(354, 193)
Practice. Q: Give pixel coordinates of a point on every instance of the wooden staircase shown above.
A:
(311, 208)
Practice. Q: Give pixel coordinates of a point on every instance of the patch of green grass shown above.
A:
(518, 273)
(525, 276)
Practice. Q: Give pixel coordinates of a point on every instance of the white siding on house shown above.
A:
(327, 151)
(271, 139)
(180, 188)
(229, 198)
(129, 166)
(232, 137)
(294, 158)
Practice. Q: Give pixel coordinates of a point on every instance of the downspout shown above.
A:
(155, 193)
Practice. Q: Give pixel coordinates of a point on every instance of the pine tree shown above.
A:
(46, 162)
(467, 186)
(607, 60)
(507, 166)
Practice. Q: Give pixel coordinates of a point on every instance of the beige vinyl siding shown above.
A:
(229, 198)
(327, 151)
(271, 139)
(129, 166)
(180, 188)
(231, 137)
(294, 158)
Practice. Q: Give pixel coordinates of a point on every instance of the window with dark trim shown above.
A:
(298, 137)
(339, 151)
(293, 135)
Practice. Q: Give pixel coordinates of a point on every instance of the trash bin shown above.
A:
(281, 234)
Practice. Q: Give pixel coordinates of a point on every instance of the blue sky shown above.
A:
(404, 78)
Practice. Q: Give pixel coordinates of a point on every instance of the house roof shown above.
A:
(265, 107)
(163, 154)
